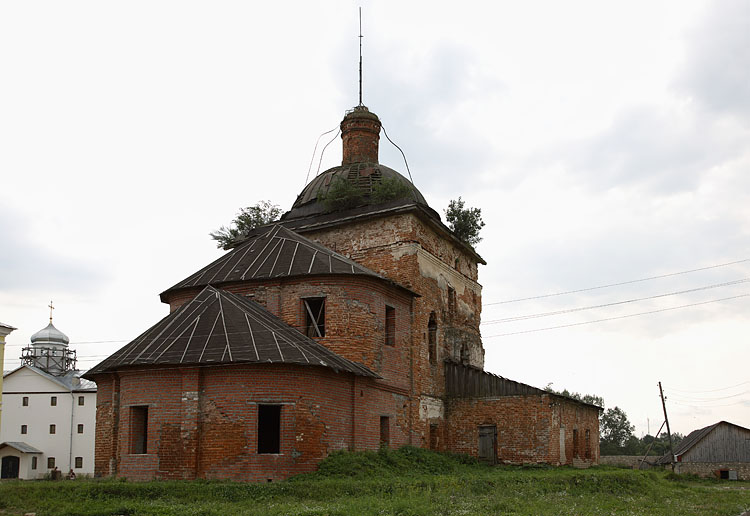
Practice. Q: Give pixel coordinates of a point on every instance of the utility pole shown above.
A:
(666, 420)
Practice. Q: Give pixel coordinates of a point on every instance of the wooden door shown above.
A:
(488, 443)
(9, 468)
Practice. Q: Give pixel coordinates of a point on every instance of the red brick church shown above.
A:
(350, 324)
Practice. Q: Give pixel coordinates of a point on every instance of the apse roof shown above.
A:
(218, 327)
(274, 252)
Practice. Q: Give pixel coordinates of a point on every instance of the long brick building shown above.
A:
(352, 323)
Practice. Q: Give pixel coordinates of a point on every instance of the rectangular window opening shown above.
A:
(53, 401)
(52, 429)
(390, 326)
(81, 401)
(34, 462)
(432, 339)
(79, 462)
(575, 442)
(724, 474)
(269, 428)
(587, 451)
(315, 316)
(25, 401)
(24, 429)
(80, 428)
(385, 431)
(50, 462)
(139, 429)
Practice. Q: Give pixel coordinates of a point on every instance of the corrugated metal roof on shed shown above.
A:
(218, 327)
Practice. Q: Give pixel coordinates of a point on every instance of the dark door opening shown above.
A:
(385, 431)
(10, 466)
(488, 444)
(269, 428)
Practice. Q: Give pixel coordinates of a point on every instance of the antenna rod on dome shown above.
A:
(360, 56)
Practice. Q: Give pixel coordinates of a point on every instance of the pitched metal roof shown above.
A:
(273, 252)
(72, 380)
(20, 446)
(218, 327)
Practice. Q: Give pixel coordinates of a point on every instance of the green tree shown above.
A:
(341, 195)
(465, 222)
(616, 432)
(247, 219)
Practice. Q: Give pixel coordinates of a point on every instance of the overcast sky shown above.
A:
(604, 142)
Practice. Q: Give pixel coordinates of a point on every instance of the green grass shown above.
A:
(409, 481)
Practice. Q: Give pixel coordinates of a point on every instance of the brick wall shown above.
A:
(528, 428)
(202, 422)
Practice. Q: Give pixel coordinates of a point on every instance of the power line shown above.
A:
(579, 309)
(616, 284)
(712, 390)
(701, 400)
(614, 318)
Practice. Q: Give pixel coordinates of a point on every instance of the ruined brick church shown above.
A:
(350, 324)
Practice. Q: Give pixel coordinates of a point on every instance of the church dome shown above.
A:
(49, 335)
(360, 180)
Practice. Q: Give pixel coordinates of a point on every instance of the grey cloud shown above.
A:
(717, 70)
(658, 150)
(24, 265)
(408, 105)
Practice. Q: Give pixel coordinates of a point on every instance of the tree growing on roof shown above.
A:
(264, 212)
(466, 223)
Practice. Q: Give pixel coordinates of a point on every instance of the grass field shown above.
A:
(404, 482)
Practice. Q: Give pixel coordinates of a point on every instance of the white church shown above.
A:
(48, 412)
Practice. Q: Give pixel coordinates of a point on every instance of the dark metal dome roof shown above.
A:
(364, 175)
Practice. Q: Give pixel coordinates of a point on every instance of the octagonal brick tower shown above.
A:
(403, 239)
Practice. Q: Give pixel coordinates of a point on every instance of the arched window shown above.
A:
(432, 338)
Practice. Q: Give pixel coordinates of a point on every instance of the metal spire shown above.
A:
(50, 311)
(360, 56)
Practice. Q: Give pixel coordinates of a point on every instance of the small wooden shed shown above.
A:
(721, 450)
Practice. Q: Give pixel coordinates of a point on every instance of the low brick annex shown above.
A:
(347, 325)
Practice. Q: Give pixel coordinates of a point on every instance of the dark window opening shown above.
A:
(390, 326)
(432, 339)
(53, 401)
(80, 428)
(464, 353)
(25, 401)
(385, 431)
(79, 462)
(50, 462)
(587, 451)
(434, 437)
(24, 429)
(52, 429)
(451, 302)
(315, 316)
(575, 442)
(269, 428)
(81, 401)
(34, 462)
(139, 429)
(724, 474)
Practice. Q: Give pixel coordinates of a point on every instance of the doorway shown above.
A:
(488, 444)
(10, 467)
